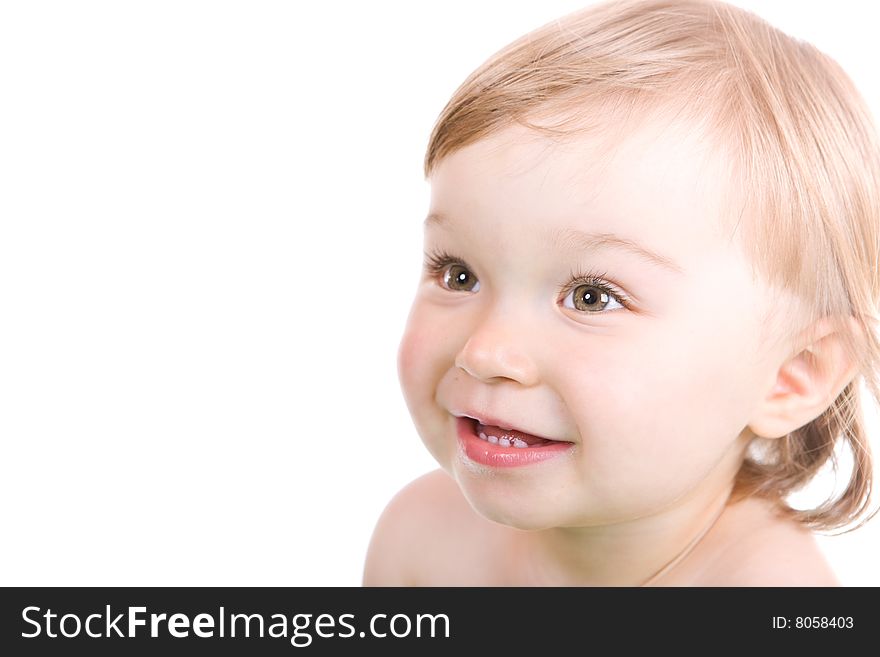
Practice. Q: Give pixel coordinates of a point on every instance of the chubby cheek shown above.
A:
(414, 357)
(655, 418)
(422, 360)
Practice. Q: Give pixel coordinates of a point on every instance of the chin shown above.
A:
(492, 504)
(515, 518)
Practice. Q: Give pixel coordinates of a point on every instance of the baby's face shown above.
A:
(647, 374)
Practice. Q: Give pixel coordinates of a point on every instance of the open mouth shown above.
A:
(509, 437)
(494, 446)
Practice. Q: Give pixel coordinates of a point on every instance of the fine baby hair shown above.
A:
(803, 192)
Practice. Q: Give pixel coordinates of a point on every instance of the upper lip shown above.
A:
(488, 420)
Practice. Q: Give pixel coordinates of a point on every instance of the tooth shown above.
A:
(493, 440)
(504, 442)
(519, 443)
(482, 436)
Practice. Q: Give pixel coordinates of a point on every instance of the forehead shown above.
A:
(657, 183)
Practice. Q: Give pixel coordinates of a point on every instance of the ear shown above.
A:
(807, 383)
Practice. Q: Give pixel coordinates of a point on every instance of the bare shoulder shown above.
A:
(419, 526)
(768, 550)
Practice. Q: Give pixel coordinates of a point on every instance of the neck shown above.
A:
(638, 552)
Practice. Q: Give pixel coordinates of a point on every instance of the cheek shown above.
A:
(411, 357)
(661, 412)
(424, 355)
(420, 358)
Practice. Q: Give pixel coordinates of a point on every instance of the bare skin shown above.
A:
(452, 545)
(658, 370)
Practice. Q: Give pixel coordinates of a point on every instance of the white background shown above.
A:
(209, 240)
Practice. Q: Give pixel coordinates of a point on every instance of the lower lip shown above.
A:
(486, 453)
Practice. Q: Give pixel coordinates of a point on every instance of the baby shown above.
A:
(650, 292)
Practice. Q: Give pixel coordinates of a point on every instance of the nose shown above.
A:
(498, 349)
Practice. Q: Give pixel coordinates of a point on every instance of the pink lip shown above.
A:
(486, 453)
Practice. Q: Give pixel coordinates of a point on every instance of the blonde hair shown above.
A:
(804, 178)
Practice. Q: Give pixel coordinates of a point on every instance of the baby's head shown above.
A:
(653, 240)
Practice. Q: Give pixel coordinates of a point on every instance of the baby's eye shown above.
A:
(452, 272)
(458, 278)
(592, 298)
(589, 292)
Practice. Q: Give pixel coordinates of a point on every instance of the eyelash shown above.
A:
(437, 261)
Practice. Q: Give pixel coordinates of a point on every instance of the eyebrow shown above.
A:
(579, 240)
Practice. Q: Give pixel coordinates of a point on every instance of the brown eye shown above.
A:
(459, 279)
(590, 298)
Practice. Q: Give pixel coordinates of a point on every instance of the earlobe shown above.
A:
(806, 384)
